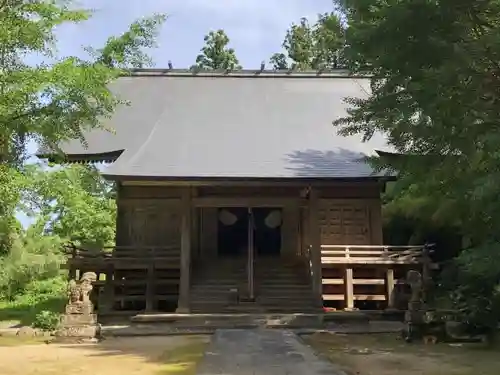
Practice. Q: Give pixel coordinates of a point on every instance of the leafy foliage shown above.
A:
(317, 46)
(74, 203)
(31, 257)
(56, 100)
(67, 204)
(474, 282)
(434, 76)
(216, 55)
(434, 93)
(12, 183)
(46, 320)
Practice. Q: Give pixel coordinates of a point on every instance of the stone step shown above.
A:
(296, 295)
(210, 286)
(227, 276)
(258, 291)
(284, 285)
(301, 303)
(301, 300)
(221, 282)
(274, 291)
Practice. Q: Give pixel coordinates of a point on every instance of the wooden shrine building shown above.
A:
(234, 193)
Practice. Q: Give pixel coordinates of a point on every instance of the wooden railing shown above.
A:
(371, 254)
(384, 260)
(308, 264)
(123, 252)
(122, 257)
(128, 274)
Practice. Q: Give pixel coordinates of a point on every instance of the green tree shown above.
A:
(52, 102)
(216, 55)
(71, 204)
(12, 184)
(279, 61)
(74, 203)
(435, 95)
(316, 46)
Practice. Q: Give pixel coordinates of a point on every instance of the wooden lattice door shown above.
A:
(344, 223)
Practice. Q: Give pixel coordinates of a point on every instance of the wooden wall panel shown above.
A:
(150, 223)
(350, 213)
(345, 222)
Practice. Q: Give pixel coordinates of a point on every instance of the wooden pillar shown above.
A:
(250, 256)
(72, 274)
(195, 234)
(195, 229)
(389, 286)
(348, 284)
(314, 233)
(107, 300)
(186, 222)
(150, 287)
(349, 288)
(121, 232)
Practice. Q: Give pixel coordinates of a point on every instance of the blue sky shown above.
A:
(256, 27)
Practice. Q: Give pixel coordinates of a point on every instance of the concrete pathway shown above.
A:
(261, 352)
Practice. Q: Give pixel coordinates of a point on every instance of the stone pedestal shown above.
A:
(78, 328)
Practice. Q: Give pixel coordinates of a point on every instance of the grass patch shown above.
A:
(384, 354)
(41, 295)
(183, 360)
(24, 312)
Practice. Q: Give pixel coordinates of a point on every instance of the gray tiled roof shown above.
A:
(232, 126)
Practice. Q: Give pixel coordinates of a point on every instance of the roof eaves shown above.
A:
(244, 73)
(249, 179)
(105, 157)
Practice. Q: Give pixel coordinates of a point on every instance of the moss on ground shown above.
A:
(384, 354)
(184, 359)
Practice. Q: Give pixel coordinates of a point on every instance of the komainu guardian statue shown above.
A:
(79, 294)
(421, 322)
(79, 323)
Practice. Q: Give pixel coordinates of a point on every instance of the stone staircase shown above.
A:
(281, 286)
(212, 282)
